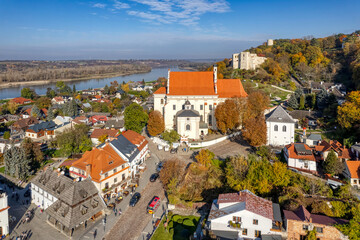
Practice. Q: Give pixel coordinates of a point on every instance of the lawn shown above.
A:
(2, 169)
(179, 228)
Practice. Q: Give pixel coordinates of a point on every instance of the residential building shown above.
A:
(355, 150)
(98, 119)
(111, 134)
(4, 214)
(81, 120)
(60, 120)
(203, 91)
(58, 100)
(23, 124)
(323, 148)
(299, 222)
(105, 168)
(116, 123)
(21, 100)
(141, 143)
(352, 172)
(44, 129)
(68, 203)
(247, 60)
(300, 156)
(243, 215)
(310, 116)
(280, 127)
(6, 144)
(313, 139)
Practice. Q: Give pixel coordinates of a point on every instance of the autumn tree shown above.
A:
(227, 115)
(43, 102)
(125, 87)
(172, 169)
(255, 130)
(12, 107)
(6, 135)
(156, 123)
(103, 138)
(257, 102)
(349, 111)
(205, 157)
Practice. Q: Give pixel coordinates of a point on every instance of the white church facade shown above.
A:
(189, 100)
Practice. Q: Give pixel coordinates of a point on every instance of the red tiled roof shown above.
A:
(101, 132)
(354, 168)
(59, 99)
(161, 90)
(253, 203)
(295, 155)
(136, 139)
(101, 160)
(228, 88)
(303, 215)
(44, 110)
(21, 100)
(325, 146)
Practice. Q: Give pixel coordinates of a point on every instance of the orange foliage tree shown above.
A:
(205, 157)
(255, 130)
(156, 123)
(227, 115)
(349, 111)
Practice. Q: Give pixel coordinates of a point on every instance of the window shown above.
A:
(106, 175)
(306, 164)
(210, 107)
(115, 180)
(257, 233)
(162, 101)
(123, 177)
(284, 128)
(276, 128)
(192, 107)
(305, 227)
(115, 170)
(174, 107)
(188, 127)
(319, 229)
(255, 221)
(244, 231)
(236, 219)
(123, 166)
(355, 181)
(210, 120)
(201, 107)
(106, 185)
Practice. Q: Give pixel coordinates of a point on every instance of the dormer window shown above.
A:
(111, 162)
(106, 175)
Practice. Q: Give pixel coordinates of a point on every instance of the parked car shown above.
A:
(166, 148)
(173, 150)
(159, 166)
(160, 147)
(153, 177)
(135, 198)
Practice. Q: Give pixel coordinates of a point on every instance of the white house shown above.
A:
(352, 172)
(4, 214)
(300, 156)
(355, 149)
(243, 215)
(198, 93)
(280, 127)
(247, 60)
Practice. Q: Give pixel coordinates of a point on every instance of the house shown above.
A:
(352, 172)
(299, 222)
(243, 215)
(23, 124)
(116, 123)
(310, 116)
(43, 129)
(4, 214)
(105, 168)
(300, 156)
(280, 127)
(355, 150)
(98, 119)
(119, 93)
(68, 204)
(141, 143)
(313, 139)
(58, 100)
(247, 60)
(203, 91)
(81, 120)
(111, 134)
(60, 120)
(21, 100)
(323, 148)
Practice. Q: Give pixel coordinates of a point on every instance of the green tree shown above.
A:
(50, 93)
(28, 93)
(135, 118)
(32, 152)
(332, 165)
(35, 111)
(352, 229)
(170, 136)
(106, 89)
(50, 113)
(74, 89)
(43, 102)
(74, 140)
(16, 163)
(311, 235)
(293, 102)
(302, 102)
(12, 107)
(7, 135)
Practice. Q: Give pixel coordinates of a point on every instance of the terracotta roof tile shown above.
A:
(136, 139)
(101, 132)
(354, 168)
(293, 154)
(228, 88)
(161, 90)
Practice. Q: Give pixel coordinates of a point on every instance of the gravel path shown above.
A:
(135, 219)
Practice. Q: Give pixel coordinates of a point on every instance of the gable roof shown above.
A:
(21, 100)
(302, 214)
(354, 168)
(101, 132)
(300, 151)
(245, 200)
(114, 123)
(48, 125)
(279, 115)
(125, 147)
(161, 90)
(136, 139)
(25, 122)
(101, 160)
(341, 151)
(228, 88)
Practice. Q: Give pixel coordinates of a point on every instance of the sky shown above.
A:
(162, 29)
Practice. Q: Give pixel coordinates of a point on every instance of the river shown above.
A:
(155, 73)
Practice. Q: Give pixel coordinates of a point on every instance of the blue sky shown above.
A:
(176, 29)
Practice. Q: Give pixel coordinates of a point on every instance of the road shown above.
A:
(135, 219)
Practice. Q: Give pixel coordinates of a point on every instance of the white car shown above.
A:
(166, 148)
(160, 147)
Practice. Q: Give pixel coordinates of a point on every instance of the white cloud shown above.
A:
(185, 12)
(99, 5)
(120, 5)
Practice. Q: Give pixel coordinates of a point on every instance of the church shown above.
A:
(189, 100)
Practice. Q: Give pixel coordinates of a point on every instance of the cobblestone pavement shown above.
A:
(135, 219)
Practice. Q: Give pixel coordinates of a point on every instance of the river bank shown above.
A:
(45, 82)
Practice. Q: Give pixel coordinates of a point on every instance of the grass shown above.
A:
(268, 89)
(179, 228)
(2, 169)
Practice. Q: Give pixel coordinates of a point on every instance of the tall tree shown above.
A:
(349, 111)
(293, 102)
(43, 102)
(156, 123)
(50, 113)
(32, 152)
(257, 102)
(74, 89)
(35, 111)
(227, 116)
(16, 163)
(50, 93)
(205, 157)
(135, 118)
(255, 130)
(332, 165)
(28, 93)
(12, 107)
(106, 89)
(302, 102)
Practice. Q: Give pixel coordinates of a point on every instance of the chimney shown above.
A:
(88, 170)
(215, 78)
(168, 82)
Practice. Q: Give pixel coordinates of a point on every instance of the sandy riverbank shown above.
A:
(44, 82)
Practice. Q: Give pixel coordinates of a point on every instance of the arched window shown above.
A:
(284, 128)
(276, 128)
(188, 127)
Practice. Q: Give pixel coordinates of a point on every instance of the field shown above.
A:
(179, 228)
